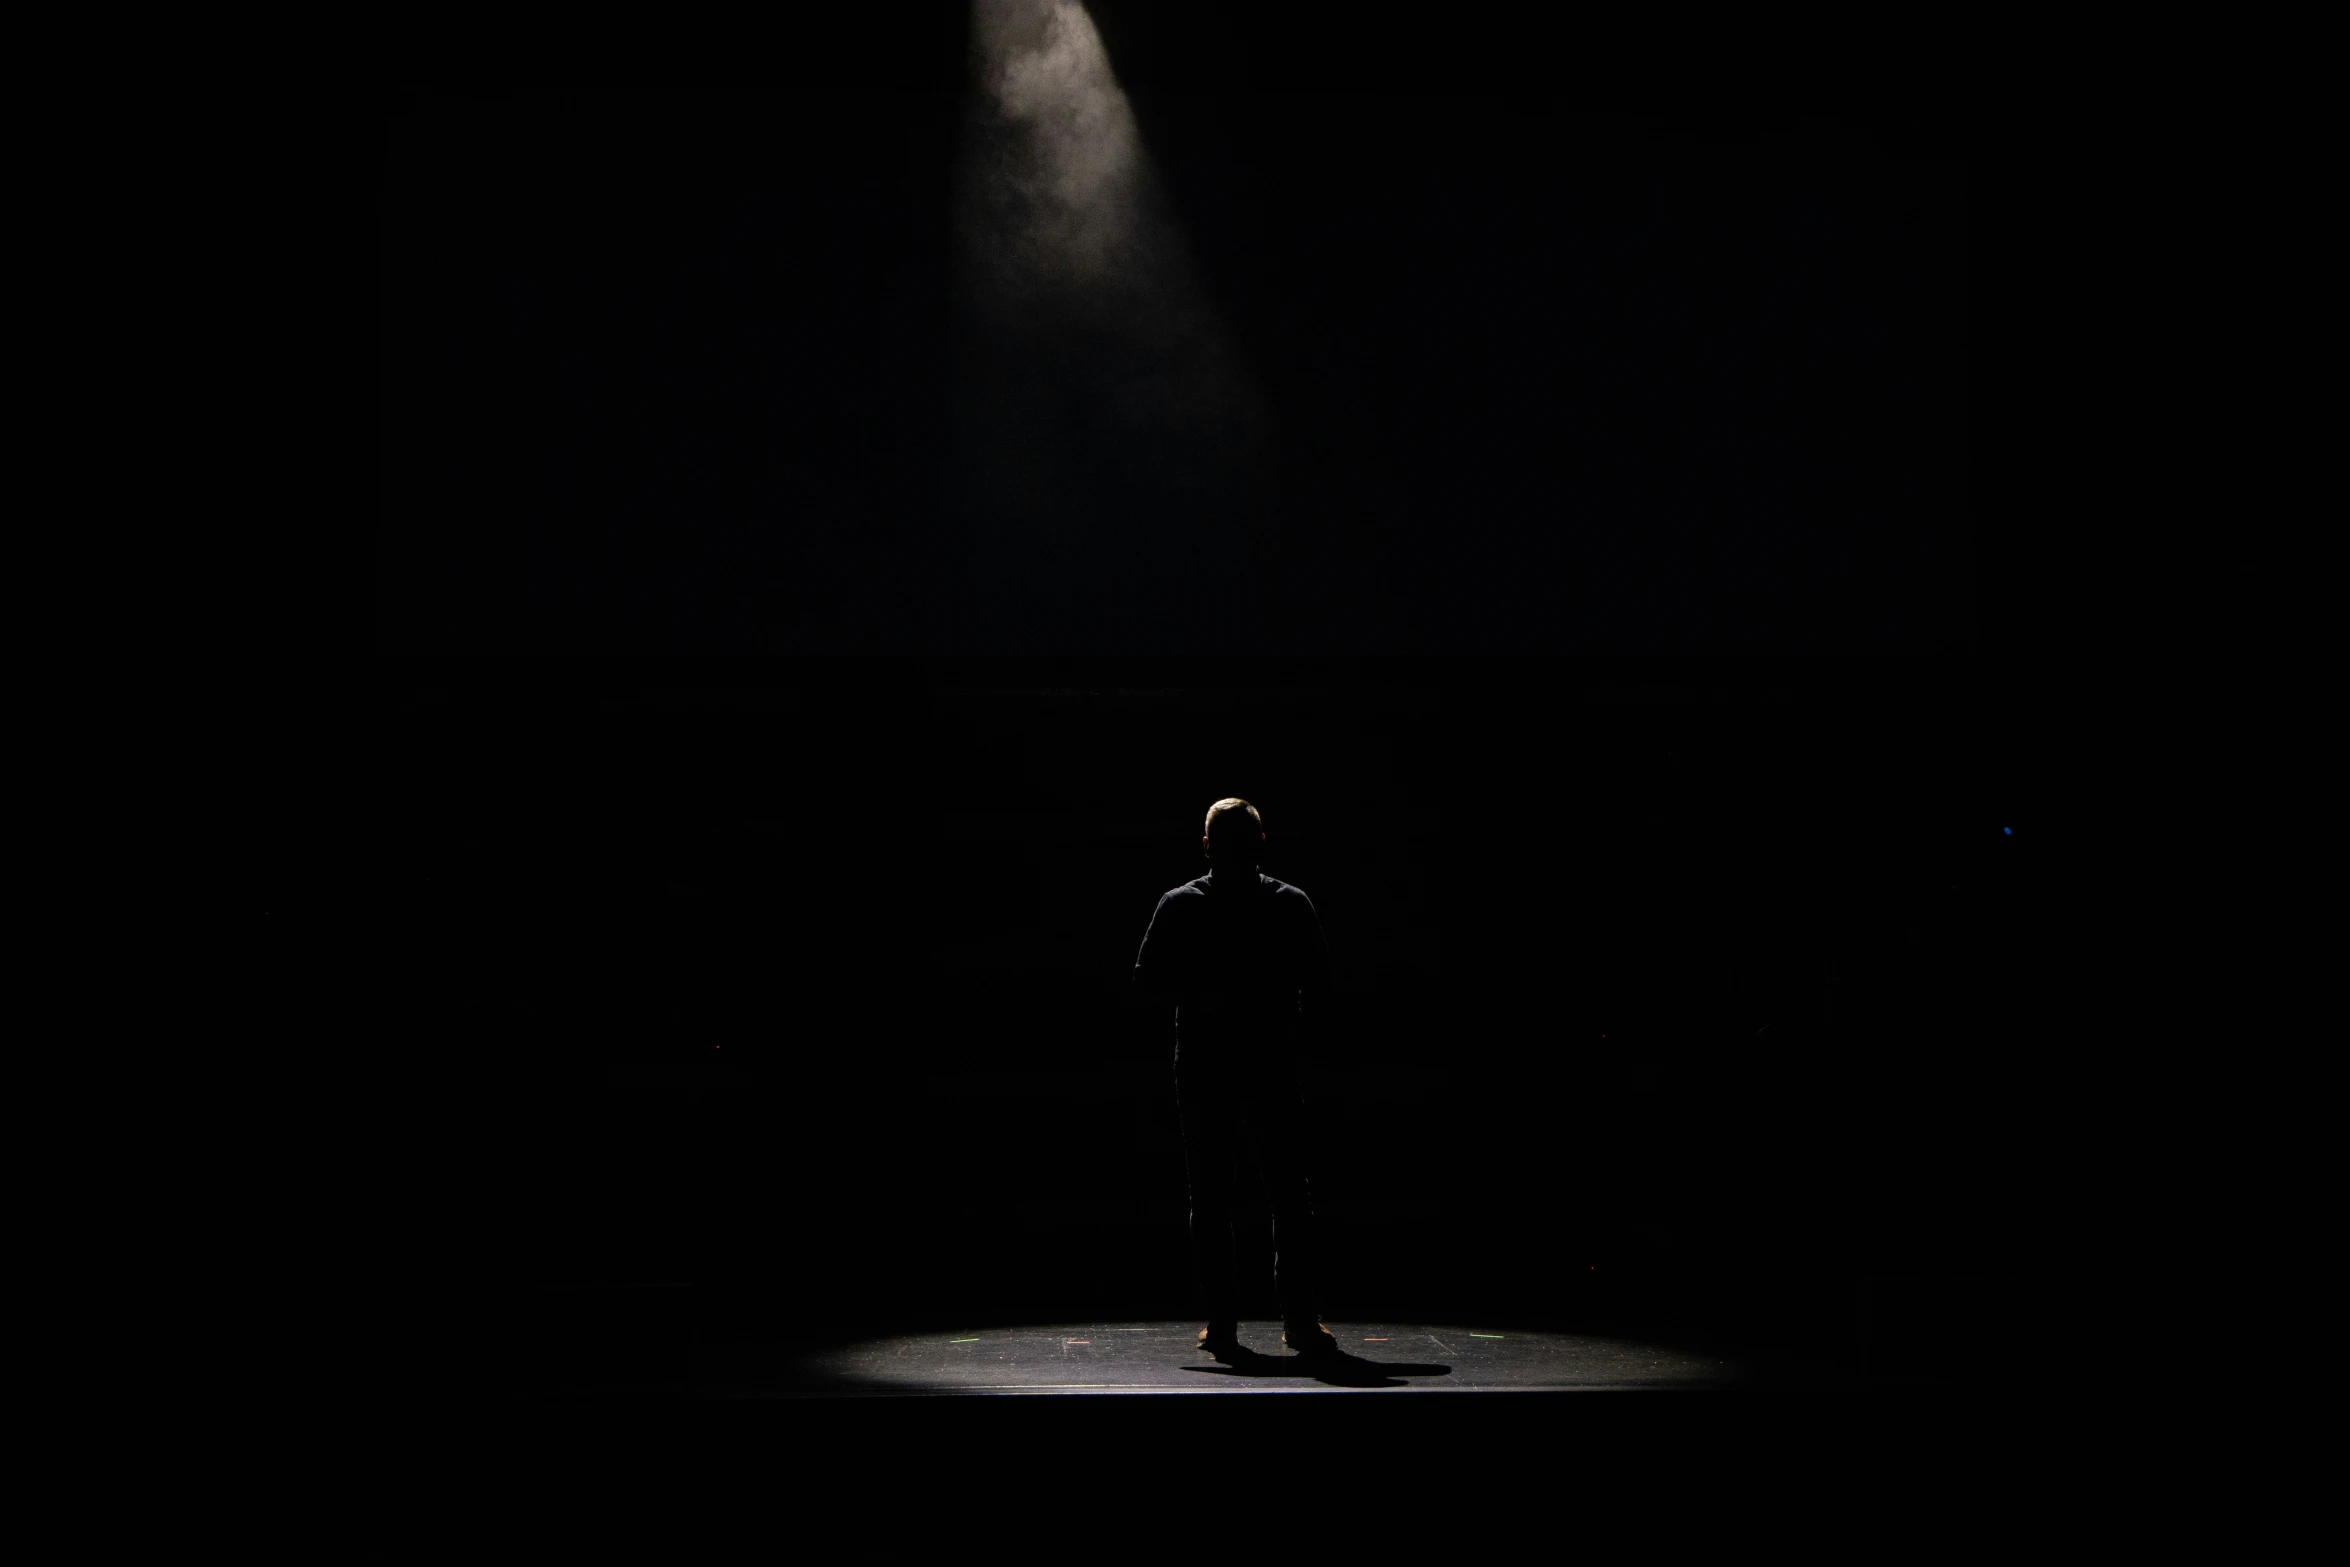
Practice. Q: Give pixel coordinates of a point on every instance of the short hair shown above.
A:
(1227, 807)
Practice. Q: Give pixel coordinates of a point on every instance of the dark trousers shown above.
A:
(1229, 1112)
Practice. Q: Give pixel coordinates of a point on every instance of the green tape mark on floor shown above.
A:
(962, 1341)
(1485, 1335)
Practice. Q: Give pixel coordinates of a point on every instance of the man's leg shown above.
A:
(1211, 1142)
(1279, 1121)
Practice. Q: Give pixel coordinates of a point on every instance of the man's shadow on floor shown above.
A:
(1339, 1370)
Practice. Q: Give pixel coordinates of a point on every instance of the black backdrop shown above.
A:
(1665, 1004)
(1547, 371)
(1624, 691)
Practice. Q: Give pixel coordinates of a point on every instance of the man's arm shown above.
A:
(1313, 974)
(1158, 963)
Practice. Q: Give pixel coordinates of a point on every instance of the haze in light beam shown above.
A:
(1111, 444)
(1064, 167)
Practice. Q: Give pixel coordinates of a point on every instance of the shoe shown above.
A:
(1314, 1342)
(1220, 1339)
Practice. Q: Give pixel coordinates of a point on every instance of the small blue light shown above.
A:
(2010, 831)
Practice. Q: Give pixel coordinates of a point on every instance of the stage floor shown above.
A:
(982, 1359)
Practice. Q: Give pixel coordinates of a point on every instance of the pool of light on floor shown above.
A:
(1165, 1357)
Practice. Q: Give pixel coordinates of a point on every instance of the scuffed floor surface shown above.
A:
(1164, 1357)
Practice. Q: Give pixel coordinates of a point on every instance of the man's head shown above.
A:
(1235, 835)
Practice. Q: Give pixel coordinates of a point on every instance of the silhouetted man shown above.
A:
(1242, 957)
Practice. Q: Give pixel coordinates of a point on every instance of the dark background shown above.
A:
(1677, 1004)
(673, 372)
(756, 908)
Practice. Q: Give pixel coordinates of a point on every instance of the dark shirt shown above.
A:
(1245, 965)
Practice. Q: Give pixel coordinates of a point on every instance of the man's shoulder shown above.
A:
(1288, 889)
(1194, 888)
